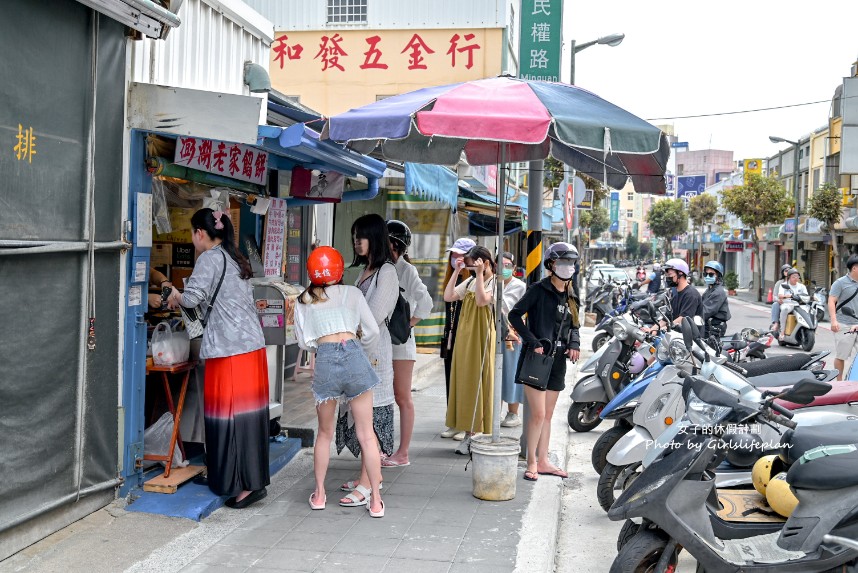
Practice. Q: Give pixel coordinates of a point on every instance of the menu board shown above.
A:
(294, 246)
(275, 231)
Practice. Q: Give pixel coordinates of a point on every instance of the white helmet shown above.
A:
(656, 267)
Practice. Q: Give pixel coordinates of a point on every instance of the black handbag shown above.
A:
(535, 367)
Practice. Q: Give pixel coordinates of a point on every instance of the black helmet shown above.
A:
(785, 268)
(399, 231)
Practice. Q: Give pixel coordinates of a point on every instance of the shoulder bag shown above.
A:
(535, 367)
(195, 322)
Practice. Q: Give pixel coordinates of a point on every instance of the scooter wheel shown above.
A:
(807, 338)
(599, 456)
(584, 416)
(612, 482)
(629, 530)
(600, 341)
(642, 553)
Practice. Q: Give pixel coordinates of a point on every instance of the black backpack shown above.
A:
(399, 323)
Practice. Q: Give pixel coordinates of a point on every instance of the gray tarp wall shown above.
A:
(58, 430)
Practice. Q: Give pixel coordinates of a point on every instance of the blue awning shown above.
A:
(297, 145)
(434, 182)
(519, 201)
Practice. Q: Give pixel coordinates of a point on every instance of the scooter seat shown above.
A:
(787, 363)
(834, 471)
(781, 380)
(794, 443)
(840, 393)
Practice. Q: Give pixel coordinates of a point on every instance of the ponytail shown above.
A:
(218, 225)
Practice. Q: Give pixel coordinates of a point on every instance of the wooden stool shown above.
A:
(176, 411)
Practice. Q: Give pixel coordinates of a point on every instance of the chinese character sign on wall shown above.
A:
(275, 233)
(368, 64)
(234, 160)
(539, 46)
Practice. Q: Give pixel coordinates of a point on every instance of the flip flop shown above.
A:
(317, 506)
(556, 473)
(531, 476)
(388, 463)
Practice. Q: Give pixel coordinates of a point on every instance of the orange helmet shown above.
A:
(325, 266)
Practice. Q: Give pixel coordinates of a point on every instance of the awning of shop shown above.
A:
(516, 203)
(434, 182)
(144, 16)
(298, 145)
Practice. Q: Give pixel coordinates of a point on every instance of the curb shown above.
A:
(540, 523)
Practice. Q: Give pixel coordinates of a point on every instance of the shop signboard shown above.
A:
(789, 225)
(752, 166)
(539, 44)
(734, 246)
(615, 206)
(670, 182)
(233, 160)
(690, 186)
(275, 233)
(587, 202)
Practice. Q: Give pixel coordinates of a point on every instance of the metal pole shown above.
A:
(499, 342)
(795, 176)
(572, 63)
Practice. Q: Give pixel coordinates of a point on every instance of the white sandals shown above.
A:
(354, 501)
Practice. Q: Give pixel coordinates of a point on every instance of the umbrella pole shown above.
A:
(499, 346)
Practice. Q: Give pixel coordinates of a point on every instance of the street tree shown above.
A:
(666, 219)
(644, 250)
(701, 210)
(632, 246)
(600, 221)
(825, 206)
(761, 201)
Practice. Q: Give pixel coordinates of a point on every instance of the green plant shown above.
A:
(731, 281)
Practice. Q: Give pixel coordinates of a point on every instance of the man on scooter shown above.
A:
(788, 296)
(716, 308)
(843, 309)
(684, 300)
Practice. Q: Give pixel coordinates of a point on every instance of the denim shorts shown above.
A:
(342, 369)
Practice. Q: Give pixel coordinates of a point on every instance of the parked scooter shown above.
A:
(819, 304)
(803, 333)
(677, 498)
(600, 299)
(606, 372)
(636, 303)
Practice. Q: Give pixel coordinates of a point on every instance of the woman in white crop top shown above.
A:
(334, 320)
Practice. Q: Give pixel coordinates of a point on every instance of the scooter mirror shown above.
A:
(713, 393)
(687, 333)
(805, 391)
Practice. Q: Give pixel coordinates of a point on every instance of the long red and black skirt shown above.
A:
(236, 419)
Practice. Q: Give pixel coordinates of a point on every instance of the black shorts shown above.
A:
(557, 377)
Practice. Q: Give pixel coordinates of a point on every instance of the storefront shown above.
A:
(268, 182)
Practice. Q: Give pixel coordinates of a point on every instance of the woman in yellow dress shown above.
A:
(472, 373)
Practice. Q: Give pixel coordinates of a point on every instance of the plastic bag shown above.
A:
(168, 346)
(160, 209)
(156, 442)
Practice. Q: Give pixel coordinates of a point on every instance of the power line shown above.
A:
(745, 110)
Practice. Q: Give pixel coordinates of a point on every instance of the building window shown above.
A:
(347, 11)
(630, 214)
(680, 169)
(630, 196)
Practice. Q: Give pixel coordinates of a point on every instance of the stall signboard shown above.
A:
(734, 246)
(275, 233)
(234, 160)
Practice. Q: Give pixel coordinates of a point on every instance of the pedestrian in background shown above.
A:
(552, 314)
(328, 317)
(653, 280)
(451, 318)
(843, 309)
(469, 408)
(512, 393)
(236, 379)
(380, 286)
(404, 355)
(716, 306)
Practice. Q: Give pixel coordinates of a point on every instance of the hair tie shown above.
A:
(217, 215)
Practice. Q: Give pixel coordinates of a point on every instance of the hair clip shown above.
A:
(218, 223)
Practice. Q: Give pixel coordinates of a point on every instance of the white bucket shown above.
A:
(495, 467)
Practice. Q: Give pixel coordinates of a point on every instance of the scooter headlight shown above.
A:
(702, 413)
(657, 406)
(678, 352)
(620, 332)
(801, 321)
(661, 353)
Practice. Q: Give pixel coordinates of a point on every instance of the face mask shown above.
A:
(709, 280)
(507, 274)
(564, 271)
(669, 281)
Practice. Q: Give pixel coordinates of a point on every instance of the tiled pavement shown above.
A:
(432, 522)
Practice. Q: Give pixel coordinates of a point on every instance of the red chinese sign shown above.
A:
(233, 160)
(332, 54)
